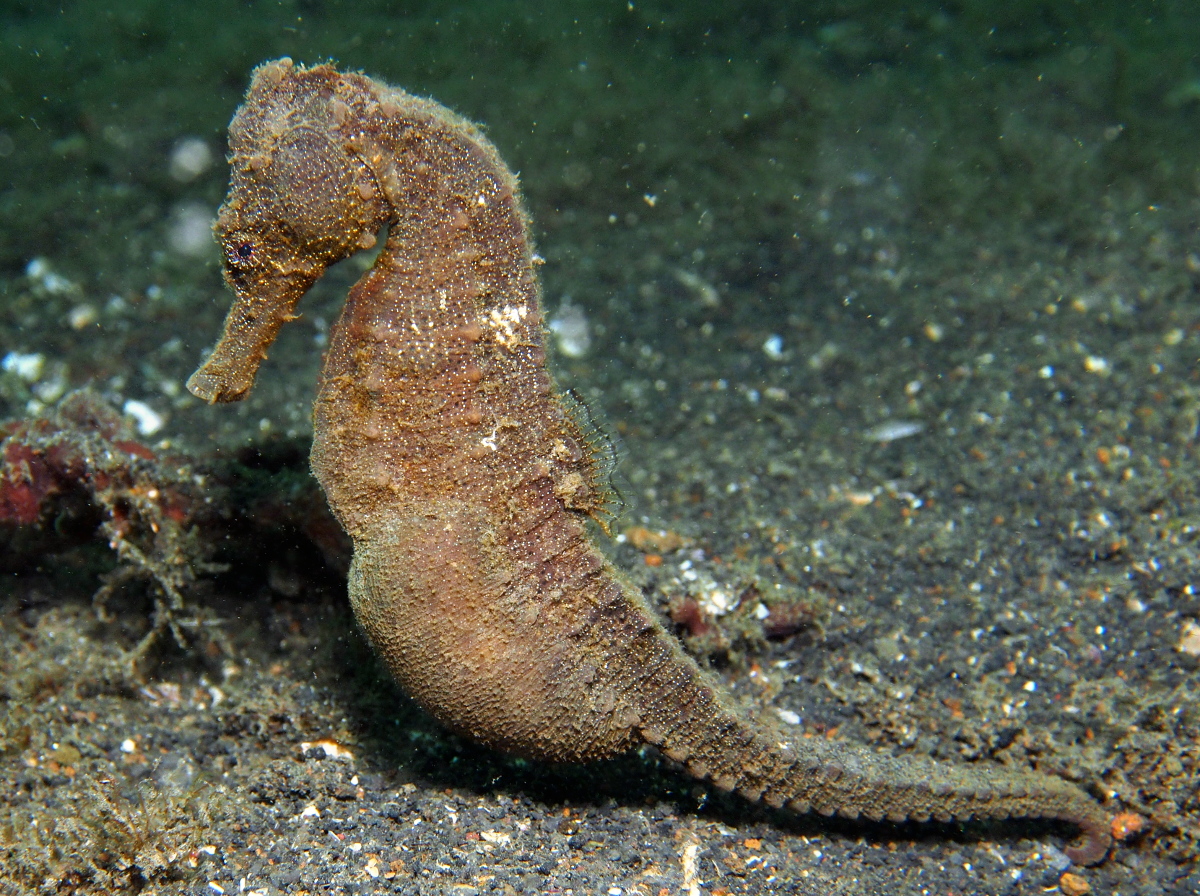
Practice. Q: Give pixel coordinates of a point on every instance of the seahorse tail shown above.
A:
(714, 743)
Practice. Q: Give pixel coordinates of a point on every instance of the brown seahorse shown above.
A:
(450, 457)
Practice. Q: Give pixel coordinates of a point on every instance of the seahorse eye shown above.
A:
(245, 250)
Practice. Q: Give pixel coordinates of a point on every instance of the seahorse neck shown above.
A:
(441, 336)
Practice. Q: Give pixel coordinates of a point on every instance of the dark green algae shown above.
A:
(978, 219)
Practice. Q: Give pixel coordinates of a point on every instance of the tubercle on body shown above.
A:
(450, 457)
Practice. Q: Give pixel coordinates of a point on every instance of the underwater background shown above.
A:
(890, 310)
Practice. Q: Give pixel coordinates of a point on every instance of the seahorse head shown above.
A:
(299, 198)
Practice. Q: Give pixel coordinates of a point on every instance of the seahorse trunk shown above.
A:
(445, 450)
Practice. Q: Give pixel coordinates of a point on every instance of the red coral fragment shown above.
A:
(20, 503)
(137, 449)
(686, 612)
(26, 482)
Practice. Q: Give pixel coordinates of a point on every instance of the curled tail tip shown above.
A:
(1095, 840)
(1100, 833)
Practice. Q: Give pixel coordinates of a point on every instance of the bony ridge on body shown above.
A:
(449, 456)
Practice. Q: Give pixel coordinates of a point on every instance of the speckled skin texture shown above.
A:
(447, 454)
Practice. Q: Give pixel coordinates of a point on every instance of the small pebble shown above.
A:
(190, 231)
(329, 747)
(892, 430)
(147, 419)
(571, 330)
(1189, 643)
(1126, 825)
(190, 157)
(82, 316)
(27, 366)
(1073, 885)
(44, 276)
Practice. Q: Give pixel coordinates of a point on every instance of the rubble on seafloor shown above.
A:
(78, 471)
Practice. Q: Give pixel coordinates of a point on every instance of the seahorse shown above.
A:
(448, 454)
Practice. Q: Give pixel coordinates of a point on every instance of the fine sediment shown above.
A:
(450, 457)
